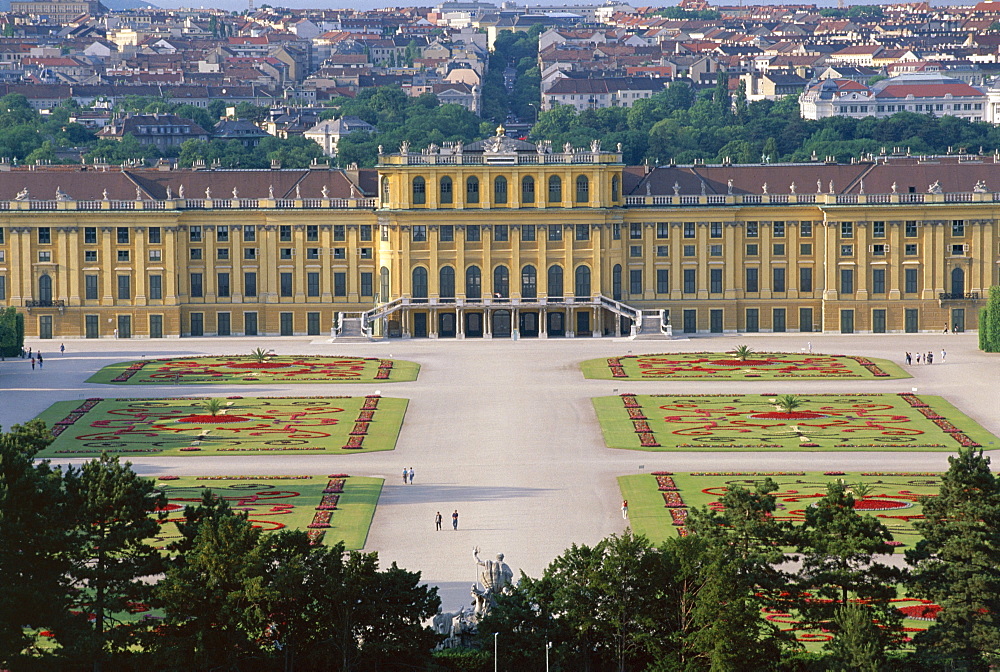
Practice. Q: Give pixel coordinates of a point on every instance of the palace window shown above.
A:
(582, 189)
(500, 190)
(472, 190)
(445, 190)
(528, 190)
(419, 191)
(555, 189)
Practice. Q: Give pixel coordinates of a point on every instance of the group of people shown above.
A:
(408, 474)
(33, 356)
(928, 357)
(438, 519)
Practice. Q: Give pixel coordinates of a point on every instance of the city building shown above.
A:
(923, 93)
(501, 235)
(160, 130)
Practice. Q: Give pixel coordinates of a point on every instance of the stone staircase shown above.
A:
(351, 331)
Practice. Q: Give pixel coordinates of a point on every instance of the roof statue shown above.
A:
(729, 187)
(22, 195)
(649, 190)
(861, 188)
(980, 187)
(208, 193)
(106, 194)
(703, 188)
(568, 148)
(170, 193)
(831, 186)
(677, 188)
(298, 192)
(325, 191)
(496, 577)
(595, 146)
(893, 187)
(765, 188)
(62, 195)
(819, 186)
(138, 194)
(180, 192)
(270, 191)
(935, 188)
(791, 187)
(404, 147)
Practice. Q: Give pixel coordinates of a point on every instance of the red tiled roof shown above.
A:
(957, 89)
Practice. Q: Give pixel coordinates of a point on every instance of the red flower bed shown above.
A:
(875, 504)
(794, 415)
(258, 365)
(209, 419)
(921, 612)
(748, 362)
(673, 500)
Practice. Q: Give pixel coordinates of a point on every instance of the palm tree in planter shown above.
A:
(743, 353)
(259, 355)
(213, 406)
(787, 403)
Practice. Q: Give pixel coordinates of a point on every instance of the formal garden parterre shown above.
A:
(741, 364)
(257, 369)
(659, 503)
(759, 422)
(256, 425)
(333, 508)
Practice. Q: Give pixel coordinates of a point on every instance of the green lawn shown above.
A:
(257, 425)
(751, 422)
(725, 366)
(896, 493)
(282, 502)
(243, 370)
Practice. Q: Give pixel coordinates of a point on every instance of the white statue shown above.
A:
(62, 195)
(619, 148)
(791, 187)
(568, 148)
(270, 191)
(819, 186)
(105, 194)
(729, 186)
(935, 188)
(893, 187)
(236, 192)
(649, 190)
(298, 192)
(325, 191)
(831, 186)
(495, 576)
(170, 194)
(208, 193)
(861, 187)
(354, 191)
(381, 150)
(138, 194)
(180, 192)
(677, 188)
(404, 147)
(595, 146)
(702, 188)
(22, 195)
(980, 187)
(764, 188)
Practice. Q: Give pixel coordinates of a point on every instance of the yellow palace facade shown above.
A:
(500, 238)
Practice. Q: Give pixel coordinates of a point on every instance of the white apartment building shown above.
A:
(922, 93)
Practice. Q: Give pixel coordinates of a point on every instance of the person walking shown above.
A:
(411, 475)
(945, 328)
(943, 355)
(625, 509)
(39, 359)
(62, 348)
(32, 363)
(918, 358)
(909, 359)
(454, 520)
(437, 521)
(930, 358)
(809, 346)
(405, 475)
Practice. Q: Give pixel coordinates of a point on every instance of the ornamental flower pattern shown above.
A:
(715, 365)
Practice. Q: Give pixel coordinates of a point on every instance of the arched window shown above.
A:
(957, 281)
(45, 288)
(528, 190)
(419, 289)
(500, 190)
(384, 284)
(419, 191)
(616, 282)
(385, 190)
(582, 281)
(529, 282)
(472, 190)
(582, 189)
(555, 189)
(614, 188)
(555, 284)
(447, 282)
(501, 282)
(445, 190)
(473, 283)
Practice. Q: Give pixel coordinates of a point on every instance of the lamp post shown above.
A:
(495, 635)
(548, 645)
(535, 108)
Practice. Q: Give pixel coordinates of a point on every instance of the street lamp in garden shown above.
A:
(548, 645)
(495, 635)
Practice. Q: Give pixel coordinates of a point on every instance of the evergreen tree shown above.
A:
(957, 565)
(113, 508)
(859, 645)
(35, 526)
(989, 323)
(838, 546)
